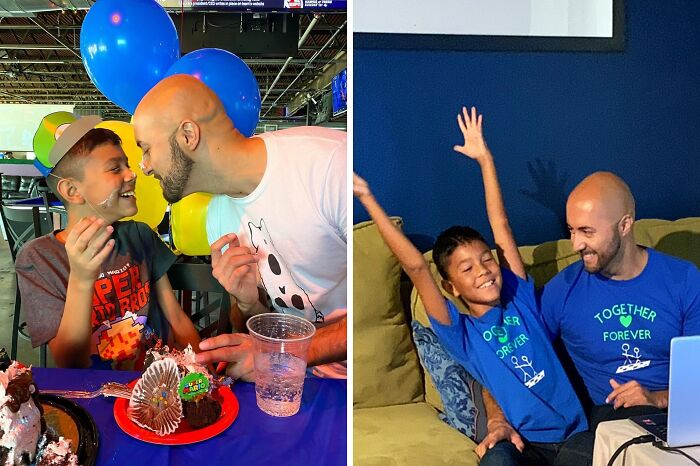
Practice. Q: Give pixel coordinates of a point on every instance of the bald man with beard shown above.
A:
(617, 309)
(277, 224)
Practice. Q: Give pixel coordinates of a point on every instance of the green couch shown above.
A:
(395, 405)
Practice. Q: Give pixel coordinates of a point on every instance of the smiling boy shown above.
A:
(90, 289)
(502, 341)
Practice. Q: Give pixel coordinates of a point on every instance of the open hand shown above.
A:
(236, 269)
(360, 188)
(88, 245)
(474, 145)
(234, 348)
(499, 430)
(633, 394)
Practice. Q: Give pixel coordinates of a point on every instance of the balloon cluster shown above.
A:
(127, 47)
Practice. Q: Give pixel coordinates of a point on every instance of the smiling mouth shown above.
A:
(486, 284)
(128, 194)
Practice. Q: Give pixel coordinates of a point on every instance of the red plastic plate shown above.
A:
(184, 434)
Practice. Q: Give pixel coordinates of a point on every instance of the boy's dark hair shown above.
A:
(72, 164)
(448, 241)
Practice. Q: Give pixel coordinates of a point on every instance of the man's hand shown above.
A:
(233, 348)
(633, 394)
(236, 270)
(360, 188)
(474, 145)
(87, 246)
(499, 430)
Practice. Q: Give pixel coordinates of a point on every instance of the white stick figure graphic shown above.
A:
(526, 363)
(636, 354)
(633, 361)
(625, 349)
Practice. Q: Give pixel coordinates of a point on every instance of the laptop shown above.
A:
(681, 426)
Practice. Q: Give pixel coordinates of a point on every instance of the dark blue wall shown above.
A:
(636, 113)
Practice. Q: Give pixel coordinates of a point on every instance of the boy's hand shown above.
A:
(88, 245)
(360, 188)
(474, 145)
(236, 269)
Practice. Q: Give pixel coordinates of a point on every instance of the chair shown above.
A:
(194, 283)
(23, 223)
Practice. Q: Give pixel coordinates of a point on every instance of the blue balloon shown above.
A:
(231, 79)
(127, 46)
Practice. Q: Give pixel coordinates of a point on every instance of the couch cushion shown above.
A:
(407, 435)
(680, 238)
(385, 363)
(459, 392)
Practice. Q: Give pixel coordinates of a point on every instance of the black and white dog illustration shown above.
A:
(276, 278)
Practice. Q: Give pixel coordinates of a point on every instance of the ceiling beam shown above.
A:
(31, 47)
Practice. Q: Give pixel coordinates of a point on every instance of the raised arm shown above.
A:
(475, 148)
(410, 258)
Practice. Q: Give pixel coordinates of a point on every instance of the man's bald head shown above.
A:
(177, 98)
(178, 124)
(604, 192)
(600, 214)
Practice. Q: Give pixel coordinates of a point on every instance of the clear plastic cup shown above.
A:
(281, 345)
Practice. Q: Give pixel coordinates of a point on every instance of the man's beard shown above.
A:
(181, 166)
(604, 257)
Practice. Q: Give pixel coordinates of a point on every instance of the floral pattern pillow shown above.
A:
(456, 387)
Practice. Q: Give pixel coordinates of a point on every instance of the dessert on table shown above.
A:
(174, 387)
(24, 436)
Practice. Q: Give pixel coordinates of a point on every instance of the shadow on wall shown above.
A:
(550, 189)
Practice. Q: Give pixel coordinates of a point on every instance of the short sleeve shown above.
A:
(453, 337)
(691, 302)
(162, 258)
(550, 304)
(43, 292)
(335, 193)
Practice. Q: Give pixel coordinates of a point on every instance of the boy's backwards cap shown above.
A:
(72, 134)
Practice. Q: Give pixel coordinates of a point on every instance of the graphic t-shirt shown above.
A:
(296, 221)
(622, 329)
(508, 351)
(124, 298)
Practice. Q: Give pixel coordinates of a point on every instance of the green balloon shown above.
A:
(45, 136)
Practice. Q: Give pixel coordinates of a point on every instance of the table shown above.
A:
(610, 435)
(317, 435)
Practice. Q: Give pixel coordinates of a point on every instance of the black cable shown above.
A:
(634, 441)
(658, 444)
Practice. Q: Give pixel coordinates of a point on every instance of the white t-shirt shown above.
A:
(296, 220)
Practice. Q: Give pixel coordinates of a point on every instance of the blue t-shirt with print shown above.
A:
(622, 329)
(508, 351)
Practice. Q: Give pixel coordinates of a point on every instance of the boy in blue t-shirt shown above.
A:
(502, 342)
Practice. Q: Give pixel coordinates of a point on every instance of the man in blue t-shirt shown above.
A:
(617, 309)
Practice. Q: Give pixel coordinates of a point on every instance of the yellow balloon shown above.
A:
(149, 197)
(188, 219)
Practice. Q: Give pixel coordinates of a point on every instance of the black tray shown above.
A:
(73, 421)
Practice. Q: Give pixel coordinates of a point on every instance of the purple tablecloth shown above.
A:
(317, 435)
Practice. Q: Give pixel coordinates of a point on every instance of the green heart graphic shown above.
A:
(503, 339)
(625, 321)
